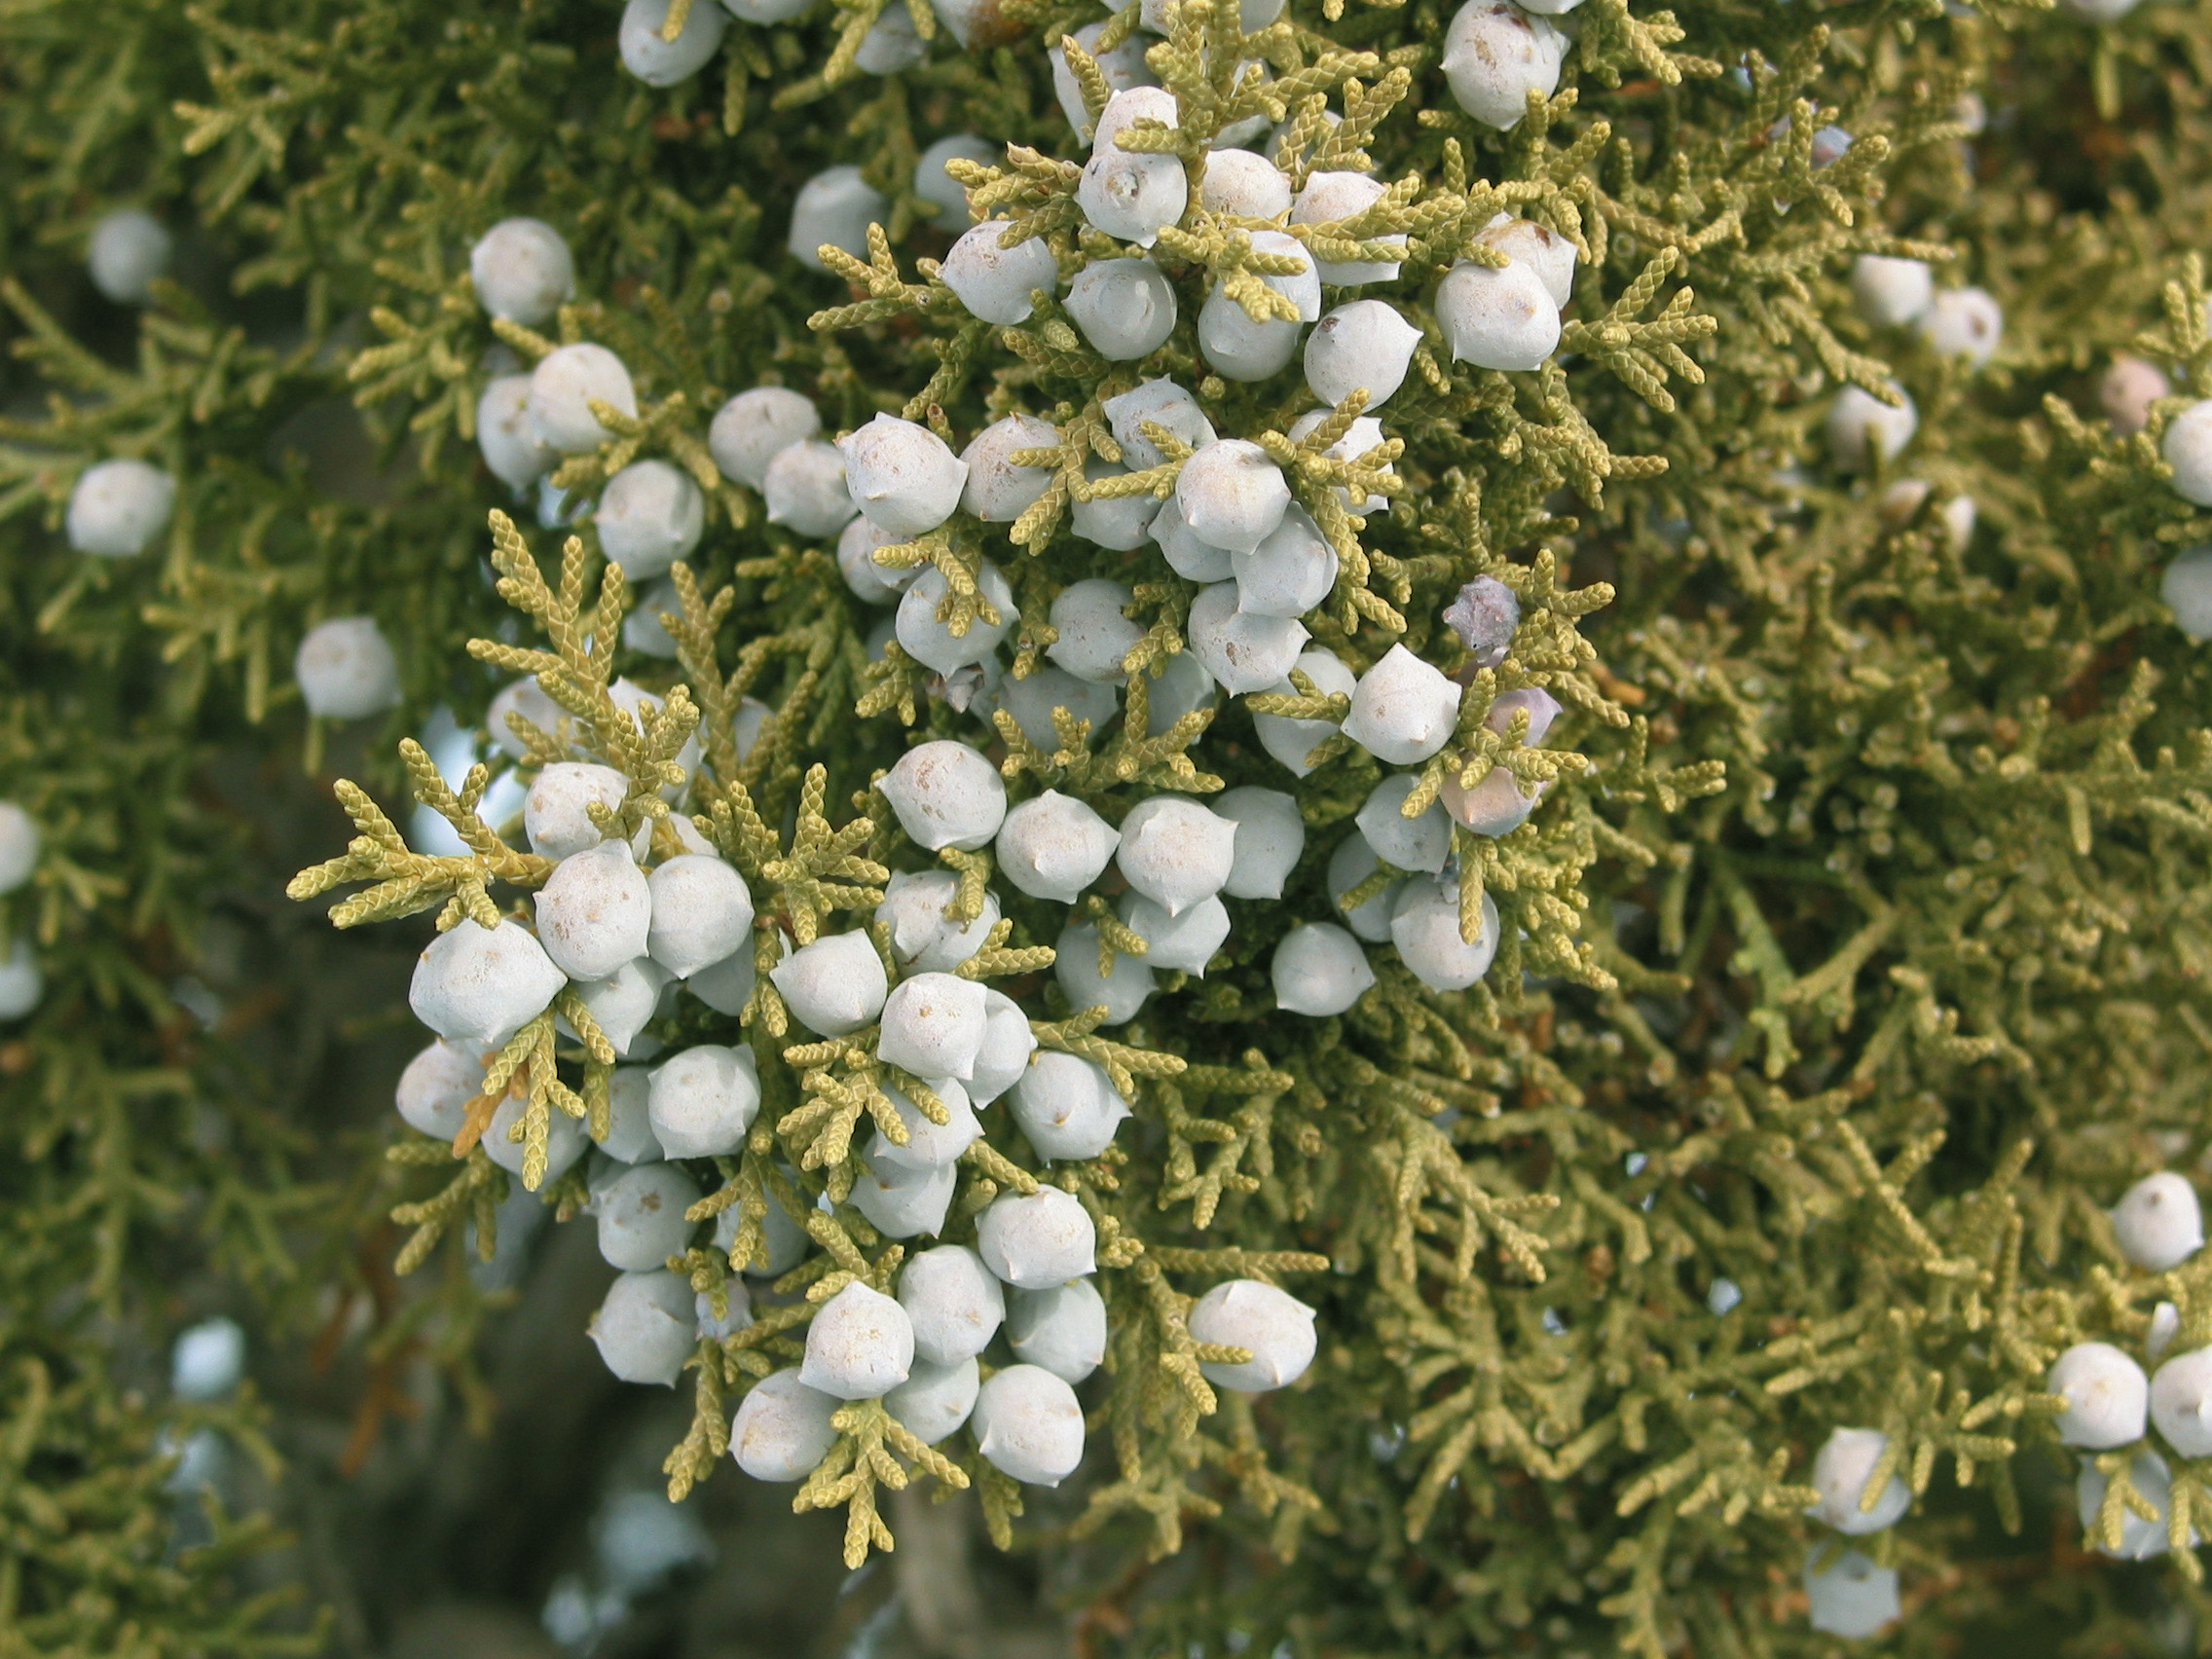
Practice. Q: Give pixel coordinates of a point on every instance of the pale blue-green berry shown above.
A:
(871, 582)
(118, 508)
(860, 1344)
(1329, 196)
(1403, 710)
(522, 270)
(1238, 346)
(1094, 634)
(1174, 688)
(702, 910)
(1352, 864)
(2187, 449)
(835, 985)
(1184, 942)
(2158, 1223)
(1902, 500)
(1053, 846)
(804, 489)
(1862, 427)
(787, 1242)
(1890, 292)
(2187, 589)
(1067, 1106)
(934, 1400)
(1493, 804)
(1035, 1241)
(19, 846)
(1424, 925)
(640, 1216)
(630, 1137)
(2129, 389)
(1539, 705)
(1126, 308)
(1062, 1330)
(1124, 67)
(891, 43)
(1420, 842)
(1269, 1323)
(556, 814)
(754, 427)
(1245, 185)
(938, 187)
(1008, 1044)
(346, 670)
(1242, 653)
(595, 911)
(1121, 524)
(2165, 1325)
(1175, 852)
(1289, 739)
(2180, 1403)
(1270, 835)
(924, 938)
(1849, 1596)
(899, 1201)
(622, 1002)
(2141, 1538)
(782, 1428)
(903, 475)
(834, 208)
(703, 1100)
(954, 1302)
(998, 490)
(662, 62)
(567, 382)
(1845, 1464)
(648, 516)
(527, 698)
(1361, 438)
(208, 1360)
(932, 1026)
(506, 436)
(2106, 1396)
(1028, 1425)
(565, 1137)
(1497, 316)
(1485, 614)
(1187, 554)
(1320, 969)
(21, 980)
(727, 986)
(1366, 345)
(933, 642)
(1290, 573)
(1496, 54)
(1161, 404)
(1542, 250)
(1128, 194)
(766, 11)
(647, 1326)
(1963, 322)
(1252, 15)
(736, 1314)
(478, 986)
(945, 794)
(1121, 993)
(435, 1088)
(929, 1144)
(1032, 700)
(128, 250)
(995, 282)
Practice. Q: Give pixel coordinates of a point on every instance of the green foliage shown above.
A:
(1854, 960)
